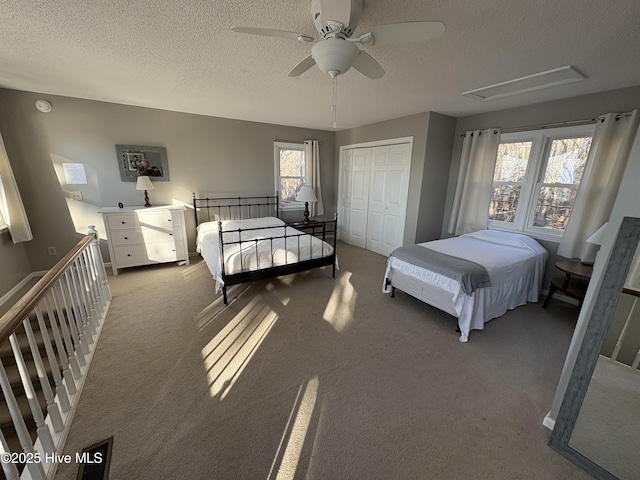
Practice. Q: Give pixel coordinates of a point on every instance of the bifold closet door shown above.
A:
(359, 196)
(388, 192)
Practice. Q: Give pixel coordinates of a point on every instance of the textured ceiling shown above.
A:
(180, 55)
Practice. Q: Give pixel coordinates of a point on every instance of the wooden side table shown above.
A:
(574, 283)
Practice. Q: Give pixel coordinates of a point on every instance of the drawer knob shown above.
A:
(128, 254)
(171, 234)
(123, 222)
(126, 238)
(169, 220)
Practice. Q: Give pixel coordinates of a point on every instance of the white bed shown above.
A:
(514, 262)
(267, 243)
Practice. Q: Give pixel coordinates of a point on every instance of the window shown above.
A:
(536, 179)
(291, 173)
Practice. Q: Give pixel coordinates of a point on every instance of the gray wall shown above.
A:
(430, 160)
(575, 108)
(207, 155)
(437, 163)
(14, 263)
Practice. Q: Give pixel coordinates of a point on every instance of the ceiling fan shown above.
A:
(336, 53)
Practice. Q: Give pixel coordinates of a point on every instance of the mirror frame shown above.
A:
(622, 256)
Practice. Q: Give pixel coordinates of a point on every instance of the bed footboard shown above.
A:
(290, 241)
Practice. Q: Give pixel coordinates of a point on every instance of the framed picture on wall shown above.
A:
(138, 160)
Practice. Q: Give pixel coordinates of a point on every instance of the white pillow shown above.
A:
(264, 222)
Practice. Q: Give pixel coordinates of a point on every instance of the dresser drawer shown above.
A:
(130, 255)
(126, 237)
(122, 221)
(160, 219)
(164, 252)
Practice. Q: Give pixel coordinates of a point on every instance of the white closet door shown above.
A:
(388, 192)
(359, 197)
(377, 199)
(346, 187)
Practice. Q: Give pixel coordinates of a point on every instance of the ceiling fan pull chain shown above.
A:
(335, 99)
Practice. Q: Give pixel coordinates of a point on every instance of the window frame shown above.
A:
(277, 146)
(4, 227)
(534, 176)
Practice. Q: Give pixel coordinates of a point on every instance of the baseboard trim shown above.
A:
(549, 422)
(562, 297)
(5, 298)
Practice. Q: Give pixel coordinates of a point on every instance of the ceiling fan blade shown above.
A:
(270, 32)
(367, 66)
(305, 64)
(395, 33)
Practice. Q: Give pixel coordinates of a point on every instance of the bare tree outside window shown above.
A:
(559, 187)
(536, 179)
(292, 173)
(508, 177)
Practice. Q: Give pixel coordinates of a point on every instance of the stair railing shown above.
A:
(61, 318)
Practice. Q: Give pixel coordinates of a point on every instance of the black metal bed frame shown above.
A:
(239, 208)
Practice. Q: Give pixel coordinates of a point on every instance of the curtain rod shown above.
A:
(573, 123)
(292, 141)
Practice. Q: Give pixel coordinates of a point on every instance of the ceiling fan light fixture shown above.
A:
(334, 55)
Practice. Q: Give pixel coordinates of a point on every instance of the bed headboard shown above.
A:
(212, 209)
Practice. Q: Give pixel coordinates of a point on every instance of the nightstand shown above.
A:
(323, 227)
(143, 236)
(574, 283)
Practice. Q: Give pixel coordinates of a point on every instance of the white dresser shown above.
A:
(142, 236)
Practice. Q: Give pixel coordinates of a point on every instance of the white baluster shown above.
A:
(63, 397)
(102, 273)
(82, 347)
(9, 469)
(87, 327)
(87, 296)
(52, 408)
(41, 428)
(67, 374)
(93, 291)
(35, 469)
(69, 333)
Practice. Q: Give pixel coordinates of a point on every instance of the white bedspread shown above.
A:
(515, 264)
(259, 253)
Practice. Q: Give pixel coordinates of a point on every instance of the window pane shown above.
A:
(504, 203)
(567, 158)
(511, 162)
(292, 163)
(289, 188)
(554, 207)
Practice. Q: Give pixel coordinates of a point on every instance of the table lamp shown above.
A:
(144, 183)
(306, 195)
(596, 238)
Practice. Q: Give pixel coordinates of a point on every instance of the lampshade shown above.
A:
(306, 194)
(598, 236)
(144, 183)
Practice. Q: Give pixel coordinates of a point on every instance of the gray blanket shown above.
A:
(470, 274)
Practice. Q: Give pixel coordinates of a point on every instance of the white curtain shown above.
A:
(11, 205)
(312, 156)
(610, 148)
(473, 192)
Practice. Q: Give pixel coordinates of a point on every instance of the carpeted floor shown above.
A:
(311, 378)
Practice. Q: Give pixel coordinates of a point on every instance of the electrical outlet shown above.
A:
(75, 195)
(51, 251)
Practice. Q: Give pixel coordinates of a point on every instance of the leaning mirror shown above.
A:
(599, 420)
